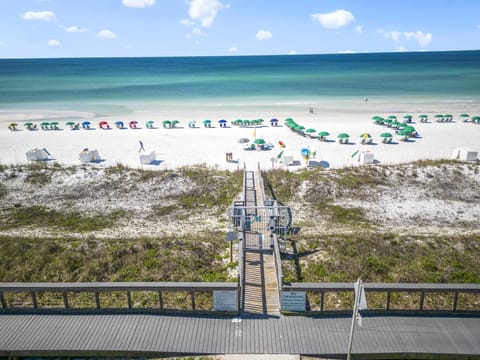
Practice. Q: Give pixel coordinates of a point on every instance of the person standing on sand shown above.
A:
(141, 146)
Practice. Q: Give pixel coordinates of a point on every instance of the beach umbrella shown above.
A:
(423, 116)
(439, 117)
(378, 119)
(408, 118)
(393, 117)
(149, 123)
(243, 140)
(175, 123)
(365, 136)
(476, 119)
(343, 136)
(465, 117)
(54, 123)
(386, 135)
(28, 124)
(166, 123)
(45, 123)
(409, 129)
(323, 133)
(310, 130)
(259, 141)
(119, 124)
(403, 133)
(70, 123)
(207, 123)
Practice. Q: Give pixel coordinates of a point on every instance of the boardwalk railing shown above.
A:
(390, 296)
(127, 295)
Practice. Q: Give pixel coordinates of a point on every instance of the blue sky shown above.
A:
(99, 28)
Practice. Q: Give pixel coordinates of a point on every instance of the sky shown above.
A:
(126, 28)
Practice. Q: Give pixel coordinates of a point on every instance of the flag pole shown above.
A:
(354, 316)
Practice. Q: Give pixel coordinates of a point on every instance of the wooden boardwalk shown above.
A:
(88, 334)
(260, 284)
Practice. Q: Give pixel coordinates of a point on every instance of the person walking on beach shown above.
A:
(141, 146)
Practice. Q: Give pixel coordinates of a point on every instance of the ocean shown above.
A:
(116, 86)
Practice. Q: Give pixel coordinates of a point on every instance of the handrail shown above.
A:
(116, 286)
(392, 287)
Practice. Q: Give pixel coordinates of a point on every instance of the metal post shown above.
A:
(34, 299)
(160, 299)
(422, 299)
(97, 299)
(388, 300)
(354, 317)
(129, 299)
(322, 294)
(455, 301)
(3, 301)
(192, 297)
(65, 300)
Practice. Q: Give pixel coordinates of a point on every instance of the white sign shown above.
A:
(294, 300)
(231, 236)
(225, 300)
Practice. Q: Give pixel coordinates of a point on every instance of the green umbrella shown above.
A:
(424, 116)
(45, 123)
(395, 123)
(464, 115)
(259, 141)
(408, 117)
(409, 129)
(166, 123)
(54, 123)
(310, 130)
(403, 133)
(393, 117)
(323, 133)
(378, 119)
(476, 119)
(438, 116)
(175, 122)
(343, 136)
(70, 123)
(28, 124)
(149, 122)
(386, 135)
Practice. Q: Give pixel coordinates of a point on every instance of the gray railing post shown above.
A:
(455, 301)
(3, 301)
(129, 299)
(65, 299)
(192, 298)
(34, 299)
(322, 295)
(422, 299)
(97, 299)
(388, 300)
(160, 299)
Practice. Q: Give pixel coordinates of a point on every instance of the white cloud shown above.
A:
(264, 35)
(138, 3)
(187, 22)
(334, 20)
(347, 52)
(359, 29)
(106, 34)
(197, 42)
(197, 32)
(53, 42)
(39, 15)
(423, 39)
(74, 29)
(401, 49)
(233, 50)
(205, 10)
(292, 52)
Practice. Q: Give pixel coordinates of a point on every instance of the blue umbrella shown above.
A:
(86, 124)
(119, 123)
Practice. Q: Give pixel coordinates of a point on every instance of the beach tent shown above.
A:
(87, 156)
(147, 158)
(274, 122)
(119, 124)
(465, 154)
(287, 158)
(103, 125)
(133, 124)
(37, 154)
(366, 157)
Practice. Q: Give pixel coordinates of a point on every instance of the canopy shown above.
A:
(403, 133)
(385, 135)
(28, 124)
(102, 123)
(259, 141)
(464, 115)
(70, 123)
(323, 133)
(133, 122)
(423, 116)
(310, 130)
(119, 123)
(365, 136)
(409, 129)
(223, 121)
(207, 121)
(46, 123)
(85, 123)
(150, 122)
(343, 136)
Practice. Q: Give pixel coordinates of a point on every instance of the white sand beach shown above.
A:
(182, 146)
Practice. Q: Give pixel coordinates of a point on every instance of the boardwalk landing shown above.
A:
(259, 330)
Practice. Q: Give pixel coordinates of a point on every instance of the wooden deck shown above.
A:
(88, 334)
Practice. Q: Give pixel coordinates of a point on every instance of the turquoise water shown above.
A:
(115, 85)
